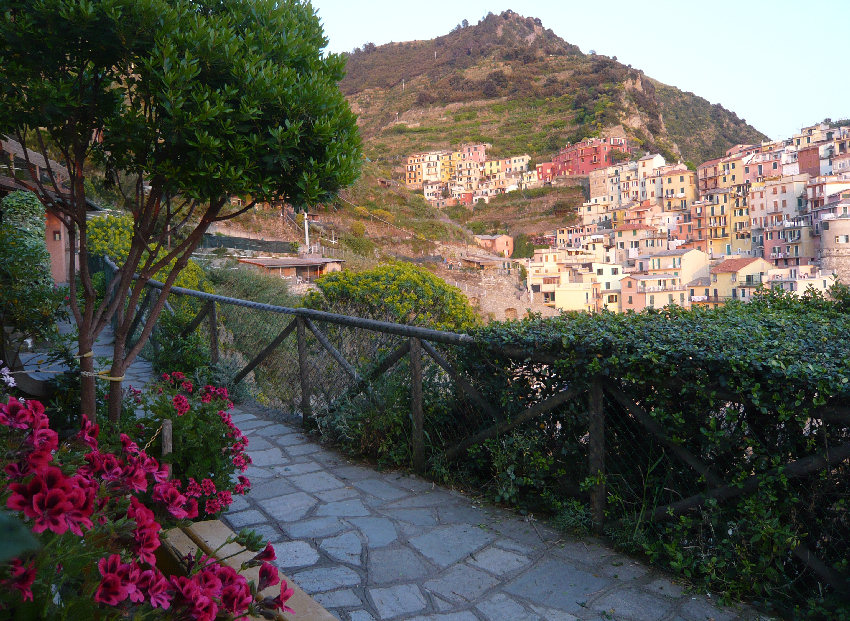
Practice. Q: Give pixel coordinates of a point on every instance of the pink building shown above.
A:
(591, 154)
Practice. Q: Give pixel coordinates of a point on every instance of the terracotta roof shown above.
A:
(289, 261)
(652, 276)
(635, 227)
(14, 147)
(733, 265)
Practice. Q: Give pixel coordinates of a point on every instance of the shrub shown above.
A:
(208, 449)
(402, 292)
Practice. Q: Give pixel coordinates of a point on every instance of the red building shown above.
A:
(809, 160)
(591, 154)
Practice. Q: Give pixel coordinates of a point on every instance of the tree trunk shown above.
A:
(88, 393)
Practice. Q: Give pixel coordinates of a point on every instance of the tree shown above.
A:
(195, 100)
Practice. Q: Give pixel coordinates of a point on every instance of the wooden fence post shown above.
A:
(167, 440)
(596, 451)
(213, 318)
(303, 371)
(416, 414)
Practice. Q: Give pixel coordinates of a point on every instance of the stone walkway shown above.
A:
(374, 545)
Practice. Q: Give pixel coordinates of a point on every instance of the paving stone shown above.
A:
(522, 532)
(585, 552)
(632, 603)
(360, 615)
(278, 430)
(338, 599)
(268, 532)
(451, 616)
(700, 609)
(240, 503)
(269, 457)
(354, 473)
(449, 544)
(556, 584)
(441, 605)
(621, 568)
(396, 601)
(381, 489)
(289, 438)
(239, 416)
(257, 423)
(395, 564)
(498, 561)
(514, 546)
(419, 517)
(341, 493)
(437, 498)
(289, 507)
(343, 508)
(291, 554)
(321, 579)
(500, 607)
(459, 514)
(378, 531)
(291, 470)
(461, 584)
(255, 474)
(313, 528)
(316, 482)
(271, 489)
(550, 614)
(662, 586)
(302, 449)
(345, 548)
(257, 442)
(245, 518)
(412, 483)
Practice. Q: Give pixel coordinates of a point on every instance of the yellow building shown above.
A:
(737, 279)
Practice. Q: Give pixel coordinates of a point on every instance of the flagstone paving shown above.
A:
(372, 545)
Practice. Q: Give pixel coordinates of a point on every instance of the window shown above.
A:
(652, 300)
(630, 299)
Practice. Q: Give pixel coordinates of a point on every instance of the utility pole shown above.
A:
(307, 232)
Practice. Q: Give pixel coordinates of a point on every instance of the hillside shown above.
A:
(511, 82)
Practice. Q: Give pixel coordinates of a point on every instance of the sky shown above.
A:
(777, 64)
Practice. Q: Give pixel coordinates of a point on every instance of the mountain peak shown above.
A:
(510, 81)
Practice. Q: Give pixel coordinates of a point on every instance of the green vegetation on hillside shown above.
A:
(510, 82)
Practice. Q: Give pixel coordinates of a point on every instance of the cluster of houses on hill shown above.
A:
(467, 177)
(653, 234)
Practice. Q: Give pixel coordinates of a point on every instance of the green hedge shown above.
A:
(745, 389)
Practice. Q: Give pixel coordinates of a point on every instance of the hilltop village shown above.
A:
(654, 233)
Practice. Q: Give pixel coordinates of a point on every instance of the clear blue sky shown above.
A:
(778, 64)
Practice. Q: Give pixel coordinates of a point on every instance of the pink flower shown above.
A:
(88, 433)
(187, 386)
(212, 506)
(154, 584)
(181, 404)
(48, 498)
(208, 486)
(267, 554)
(268, 576)
(119, 581)
(279, 602)
(21, 578)
(177, 375)
(193, 490)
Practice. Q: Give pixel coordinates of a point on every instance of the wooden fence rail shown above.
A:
(418, 343)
